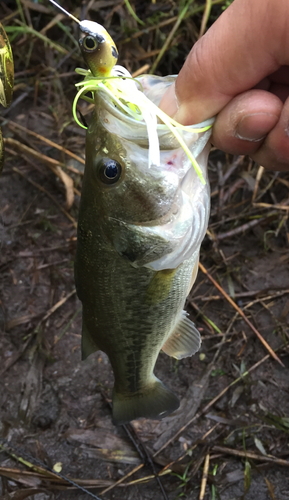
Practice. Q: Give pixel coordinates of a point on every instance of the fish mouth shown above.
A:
(132, 128)
(134, 135)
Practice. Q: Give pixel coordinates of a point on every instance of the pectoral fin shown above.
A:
(88, 345)
(184, 341)
(194, 275)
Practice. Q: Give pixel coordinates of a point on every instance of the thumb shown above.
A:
(247, 43)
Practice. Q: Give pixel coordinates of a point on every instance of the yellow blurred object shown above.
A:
(6, 80)
(57, 467)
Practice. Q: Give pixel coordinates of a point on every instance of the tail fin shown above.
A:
(154, 401)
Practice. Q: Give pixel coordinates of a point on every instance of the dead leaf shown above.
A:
(32, 388)
(68, 183)
(129, 457)
(51, 163)
(259, 446)
(22, 494)
(247, 476)
(109, 446)
(18, 321)
(188, 408)
(270, 488)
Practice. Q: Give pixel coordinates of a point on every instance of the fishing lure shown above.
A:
(6, 80)
(98, 48)
(100, 54)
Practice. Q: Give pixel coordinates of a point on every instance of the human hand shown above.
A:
(239, 71)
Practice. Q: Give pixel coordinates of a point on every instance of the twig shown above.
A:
(192, 448)
(267, 188)
(12, 360)
(47, 194)
(22, 28)
(54, 165)
(54, 308)
(170, 37)
(204, 477)
(142, 451)
(210, 404)
(243, 227)
(42, 250)
(233, 167)
(232, 189)
(269, 205)
(21, 320)
(228, 298)
(256, 301)
(258, 178)
(59, 17)
(57, 306)
(50, 143)
(205, 19)
(251, 293)
(250, 454)
(44, 468)
(122, 479)
(210, 324)
(43, 474)
(141, 70)
(145, 479)
(145, 456)
(162, 24)
(132, 13)
(16, 102)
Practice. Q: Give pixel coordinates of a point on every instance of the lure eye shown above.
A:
(109, 171)
(89, 42)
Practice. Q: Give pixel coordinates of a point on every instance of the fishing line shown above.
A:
(6, 446)
(65, 11)
(140, 447)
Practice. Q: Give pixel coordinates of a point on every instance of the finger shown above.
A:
(274, 151)
(241, 127)
(249, 41)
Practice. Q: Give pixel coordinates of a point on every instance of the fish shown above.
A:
(6, 81)
(139, 233)
(143, 213)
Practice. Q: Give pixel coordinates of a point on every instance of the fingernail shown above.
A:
(181, 116)
(169, 103)
(255, 127)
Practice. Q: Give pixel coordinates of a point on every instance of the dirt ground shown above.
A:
(54, 408)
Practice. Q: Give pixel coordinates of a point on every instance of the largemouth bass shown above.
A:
(139, 234)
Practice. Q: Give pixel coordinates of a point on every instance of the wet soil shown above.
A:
(55, 408)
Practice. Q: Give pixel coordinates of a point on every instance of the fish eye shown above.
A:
(89, 42)
(109, 171)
